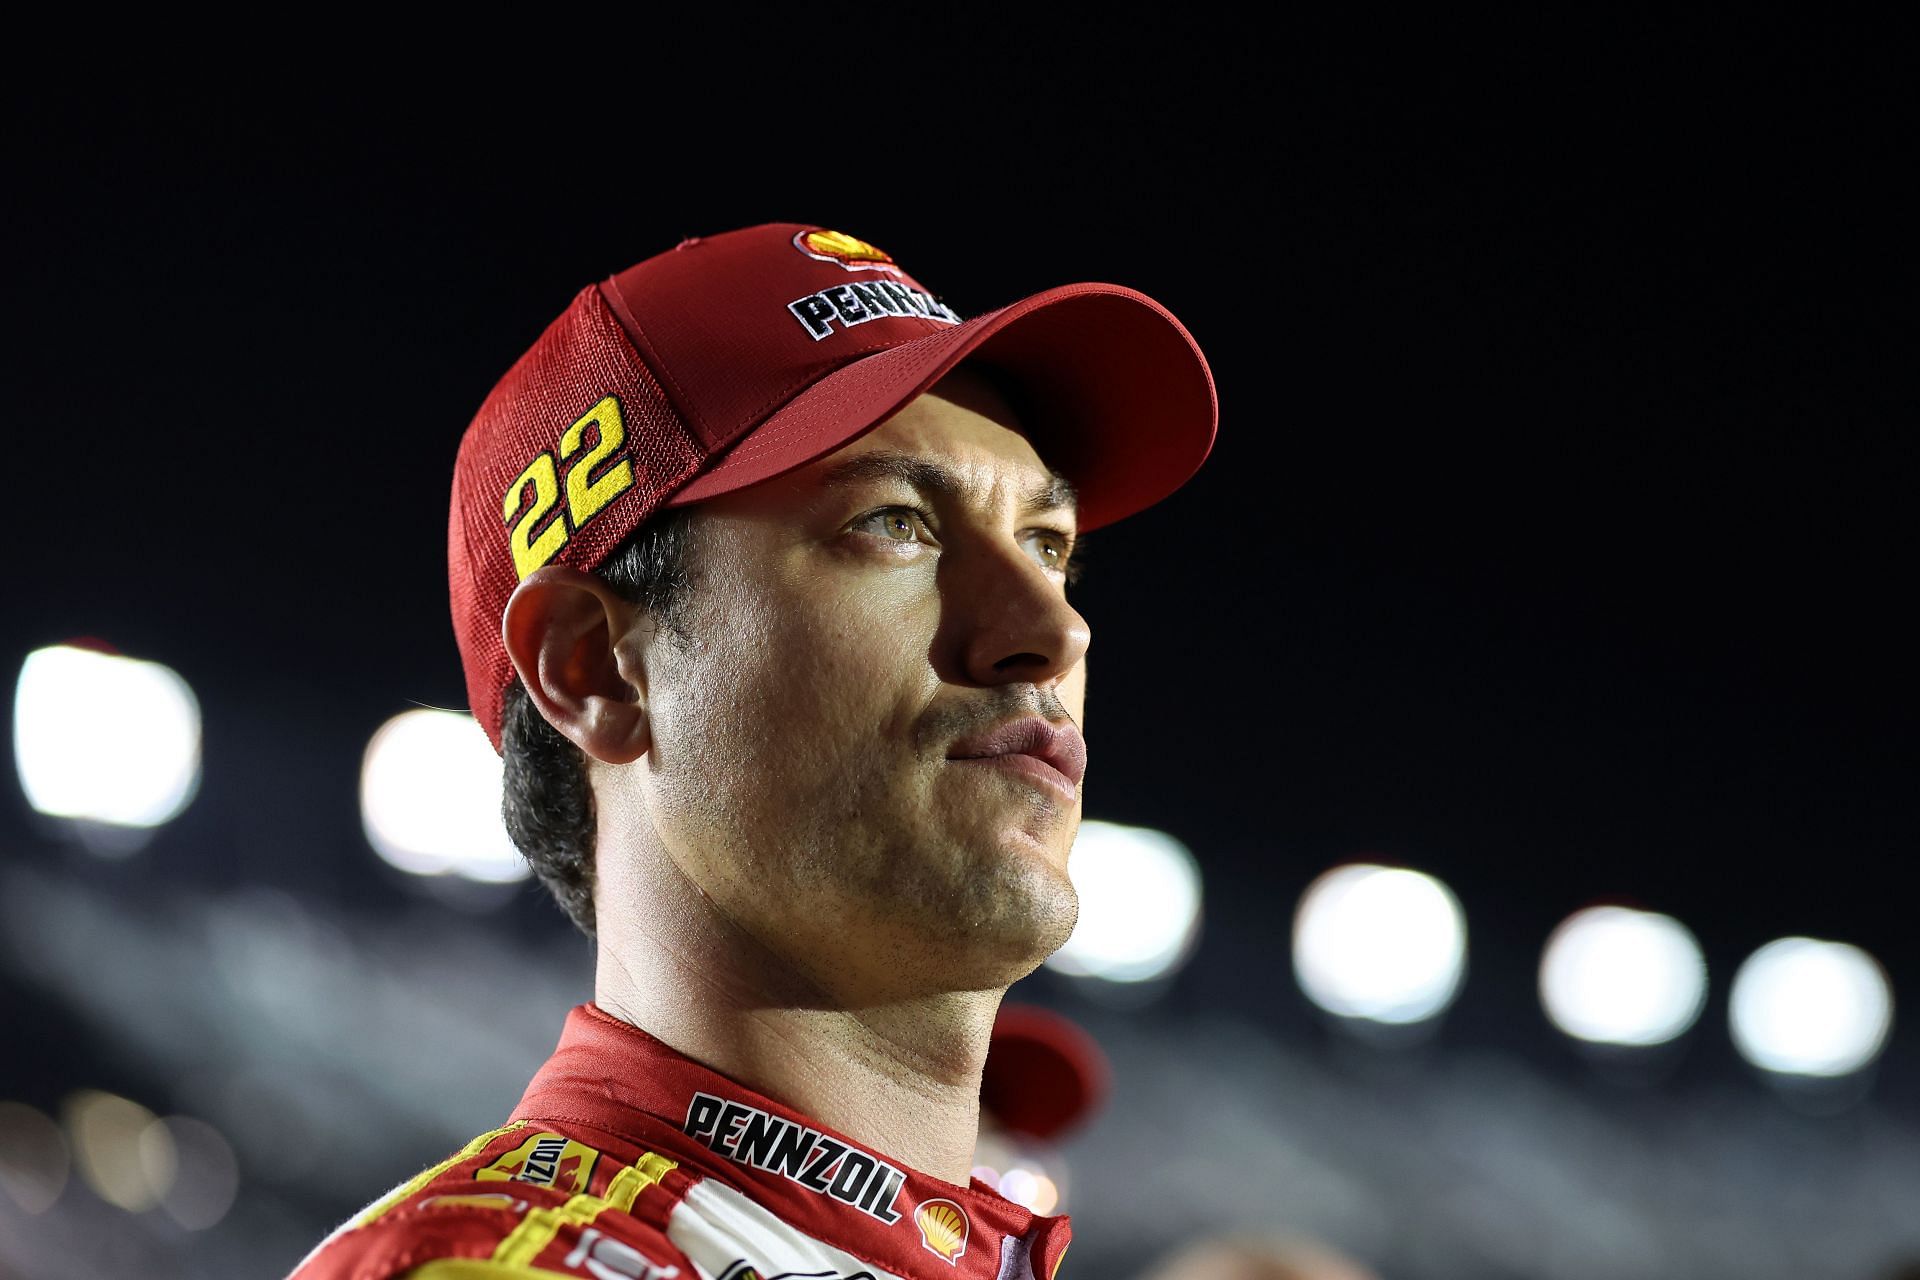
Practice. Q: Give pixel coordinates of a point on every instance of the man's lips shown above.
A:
(1059, 748)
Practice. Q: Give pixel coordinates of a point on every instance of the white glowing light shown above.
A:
(105, 738)
(1616, 976)
(1030, 1189)
(430, 789)
(1811, 1008)
(1379, 943)
(1139, 893)
(1046, 1195)
(1019, 1186)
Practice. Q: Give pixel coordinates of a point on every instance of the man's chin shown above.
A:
(983, 919)
(1001, 927)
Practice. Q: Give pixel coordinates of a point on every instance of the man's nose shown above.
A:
(1017, 624)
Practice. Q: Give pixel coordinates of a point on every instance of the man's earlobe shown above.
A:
(564, 631)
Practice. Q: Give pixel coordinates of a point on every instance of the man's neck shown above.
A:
(902, 1077)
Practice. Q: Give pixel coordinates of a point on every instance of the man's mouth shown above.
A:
(1052, 754)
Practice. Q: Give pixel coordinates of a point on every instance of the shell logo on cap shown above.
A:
(943, 1229)
(848, 251)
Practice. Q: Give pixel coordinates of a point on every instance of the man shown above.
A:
(761, 591)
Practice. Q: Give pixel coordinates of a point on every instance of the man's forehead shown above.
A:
(958, 439)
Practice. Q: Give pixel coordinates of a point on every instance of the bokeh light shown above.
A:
(1033, 1177)
(1806, 1007)
(430, 788)
(1030, 1188)
(1380, 943)
(33, 1157)
(208, 1175)
(1139, 893)
(1612, 975)
(107, 1133)
(105, 738)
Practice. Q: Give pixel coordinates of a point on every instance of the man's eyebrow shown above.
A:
(1055, 493)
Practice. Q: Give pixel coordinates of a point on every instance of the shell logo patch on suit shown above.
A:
(943, 1229)
(545, 1160)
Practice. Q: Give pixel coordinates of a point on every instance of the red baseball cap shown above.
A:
(734, 358)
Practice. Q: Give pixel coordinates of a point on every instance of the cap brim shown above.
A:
(1112, 391)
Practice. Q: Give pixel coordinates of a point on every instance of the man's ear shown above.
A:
(565, 632)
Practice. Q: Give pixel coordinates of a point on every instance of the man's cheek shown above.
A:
(854, 656)
(806, 707)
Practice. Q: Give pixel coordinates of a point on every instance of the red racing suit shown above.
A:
(626, 1160)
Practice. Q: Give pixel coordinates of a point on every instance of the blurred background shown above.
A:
(1502, 801)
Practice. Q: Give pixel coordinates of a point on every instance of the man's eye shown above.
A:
(1055, 549)
(897, 524)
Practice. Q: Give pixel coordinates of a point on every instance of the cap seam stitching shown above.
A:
(655, 366)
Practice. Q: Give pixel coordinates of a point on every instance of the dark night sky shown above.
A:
(1558, 539)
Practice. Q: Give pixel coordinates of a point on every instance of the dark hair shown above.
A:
(547, 803)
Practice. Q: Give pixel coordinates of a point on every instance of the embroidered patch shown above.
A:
(848, 251)
(944, 1229)
(545, 1160)
(857, 302)
(808, 1157)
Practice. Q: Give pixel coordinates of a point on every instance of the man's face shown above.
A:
(848, 626)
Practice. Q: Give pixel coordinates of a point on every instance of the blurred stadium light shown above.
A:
(34, 1157)
(1022, 1172)
(105, 738)
(1612, 975)
(1030, 1189)
(430, 799)
(1139, 895)
(129, 1157)
(1805, 1007)
(1380, 943)
(117, 1150)
(208, 1175)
